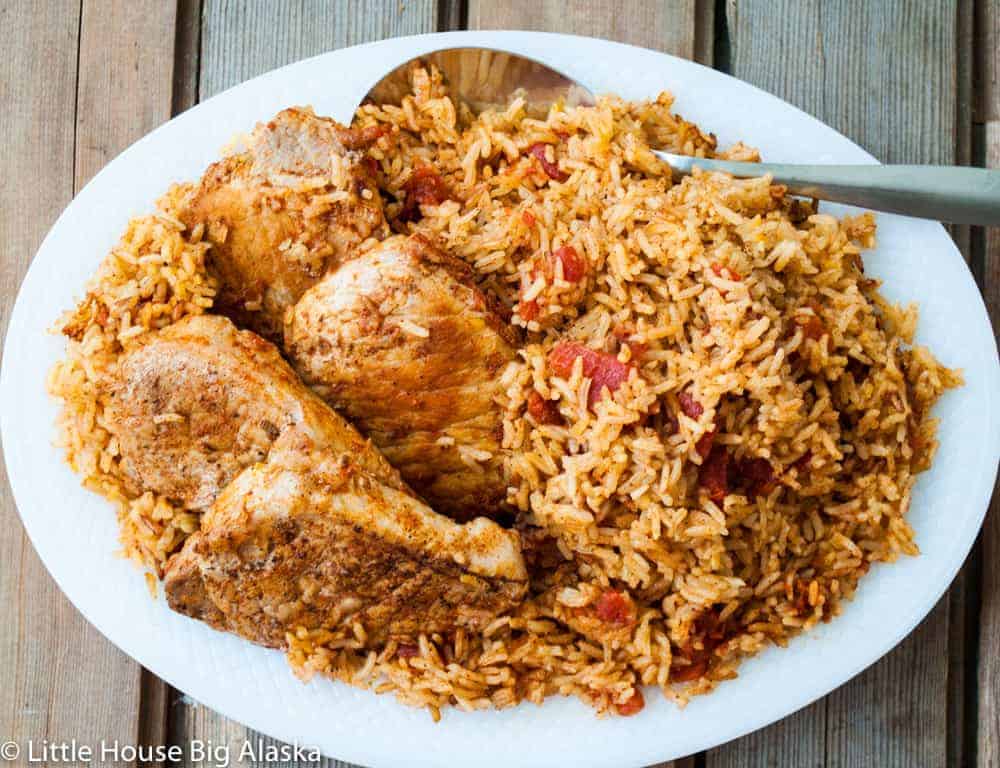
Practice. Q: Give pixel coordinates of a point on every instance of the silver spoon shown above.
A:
(484, 77)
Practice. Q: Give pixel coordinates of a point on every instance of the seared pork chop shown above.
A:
(201, 400)
(311, 539)
(401, 341)
(280, 213)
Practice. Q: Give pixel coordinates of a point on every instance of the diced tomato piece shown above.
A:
(528, 310)
(688, 672)
(721, 270)
(424, 187)
(713, 475)
(362, 138)
(574, 266)
(614, 607)
(690, 406)
(528, 218)
(564, 354)
(407, 650)
(709, 632)
(607, 372)
(812, 326)
(711, 629)
(602, 368)
(538, 151)
(705, 442)
(757, 476)
(632, 705)
(543, 411)
(574, 269)
(637, 348)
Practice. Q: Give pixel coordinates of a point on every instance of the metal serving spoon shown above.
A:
(485, 77)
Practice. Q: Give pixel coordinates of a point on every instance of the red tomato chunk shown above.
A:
(713, 475)
(424, 187)
(725, 272)
(812, 326)
(528, 310)
(756, 476)
(632, 705)
(613, 607)
(574, 267)
(602, 368)
(407, 651)
(688, 672)
(704, 444)
(689, 405)
(538, 151)
(542, 410)
(720, 473)
(711, 633)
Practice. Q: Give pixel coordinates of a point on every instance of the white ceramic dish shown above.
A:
(75, 533)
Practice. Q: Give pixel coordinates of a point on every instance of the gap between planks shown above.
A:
(986, 266)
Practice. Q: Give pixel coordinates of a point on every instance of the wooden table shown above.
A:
(909, 80)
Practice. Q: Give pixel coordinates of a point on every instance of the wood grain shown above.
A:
(663, 26)
(243, 39)
(797, 740)
(187, 55)
(885, 74)
(126, 77)
(988, 110)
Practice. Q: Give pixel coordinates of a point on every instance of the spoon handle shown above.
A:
(955, 194)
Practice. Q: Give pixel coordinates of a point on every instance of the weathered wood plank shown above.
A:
(60, 57)
(962, 596)
(856, 67)
(988, 111)
(187, 55)
(239, 40)
(242, 39)
(989, 633)
(126, 74)
(665, 26)
(796, 740)
(704, 32)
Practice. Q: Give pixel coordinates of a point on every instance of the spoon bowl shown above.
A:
(485, 78)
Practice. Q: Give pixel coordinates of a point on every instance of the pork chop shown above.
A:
(312, 540)
(280, 213)
(401, 342)
(201, 400)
